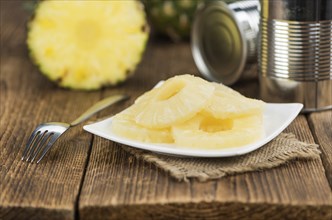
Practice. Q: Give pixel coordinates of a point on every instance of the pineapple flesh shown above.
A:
(125, 125)
(177, 100)
(190, 112)
(87, 44)
(211, 133)
(227, 103)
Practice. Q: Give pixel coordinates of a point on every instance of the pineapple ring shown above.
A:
(227, 103)
(123, 124)
(212, 133)
(176, 101)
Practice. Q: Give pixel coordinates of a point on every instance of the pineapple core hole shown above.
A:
(170, 90)
(212, 125)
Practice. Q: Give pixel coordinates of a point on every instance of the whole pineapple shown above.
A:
(173, 17)
(87, 44)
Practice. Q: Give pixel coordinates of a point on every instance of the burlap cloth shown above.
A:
(281, 150)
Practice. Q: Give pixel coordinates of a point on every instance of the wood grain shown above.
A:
(126, 188)
(118, 186)
(91, 178)
(321, 126)
(30, 191)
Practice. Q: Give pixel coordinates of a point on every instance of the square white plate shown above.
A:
(276, 118)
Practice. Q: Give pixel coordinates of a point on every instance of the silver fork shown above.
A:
(46, 134)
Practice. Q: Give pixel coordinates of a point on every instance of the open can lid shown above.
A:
(218, 44)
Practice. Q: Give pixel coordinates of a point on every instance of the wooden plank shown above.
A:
(118, 186)
(49, 189)
(321, 126)
(131, 189)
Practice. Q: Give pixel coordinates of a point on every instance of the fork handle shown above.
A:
(102, 104)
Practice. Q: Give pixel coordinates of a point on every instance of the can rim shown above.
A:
(196, 47)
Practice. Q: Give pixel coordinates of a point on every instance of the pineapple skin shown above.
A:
(173, 18)
(76, 69)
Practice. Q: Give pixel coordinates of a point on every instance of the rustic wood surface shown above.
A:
(30, 191)
(321, 125)
(87, 177)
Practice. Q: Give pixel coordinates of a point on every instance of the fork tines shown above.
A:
(40, 141)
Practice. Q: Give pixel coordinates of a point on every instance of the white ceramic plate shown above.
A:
(276, 118)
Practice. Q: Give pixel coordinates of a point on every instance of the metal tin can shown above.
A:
(295, 54)
(224, 39)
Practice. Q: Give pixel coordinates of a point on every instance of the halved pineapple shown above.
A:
(123, 124)
(207, 132)
(227, 103)
(87, 44)
(176, 101)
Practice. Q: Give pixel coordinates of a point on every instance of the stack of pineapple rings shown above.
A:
(190, 112)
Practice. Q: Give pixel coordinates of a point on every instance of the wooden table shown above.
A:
(87, 177)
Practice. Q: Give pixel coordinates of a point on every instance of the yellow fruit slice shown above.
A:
(176, 101)
(123, 124)
(87, 44)
(227, 103)
(146, 96)
(191, 112)
(207, 132)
